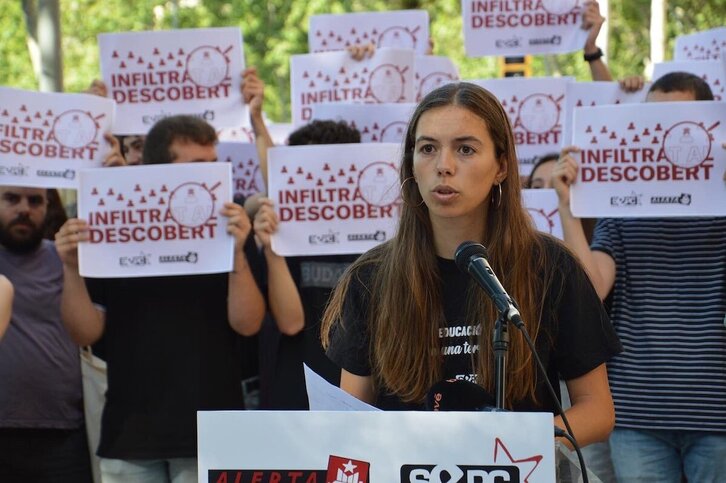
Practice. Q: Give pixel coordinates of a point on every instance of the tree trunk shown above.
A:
(657, 32)
(42, 18)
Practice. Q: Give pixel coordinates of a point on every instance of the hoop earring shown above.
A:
(499, 198)
(403, 198)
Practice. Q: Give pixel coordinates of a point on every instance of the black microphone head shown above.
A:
(457, 395)
(466, 251)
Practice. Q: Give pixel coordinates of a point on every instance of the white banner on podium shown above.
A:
(375, 446)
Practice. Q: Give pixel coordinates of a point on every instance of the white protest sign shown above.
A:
(155, 220)
(377, 446)
(402, 29)
(432, 72)
(241, 134)
(334, 199)
(541, 204)
(653, 159)
(706, 45)
(516, 27)
(377, 123)
(713, 72)
(337, 77)
(247, 178)
(579, 94)
(46, 138)
(279, 132)
(152, 75)
(535, 108)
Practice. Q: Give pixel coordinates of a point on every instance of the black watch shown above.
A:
(594, 56)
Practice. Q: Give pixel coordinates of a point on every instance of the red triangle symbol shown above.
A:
(23, 108)
(122, 65)
(114, 55)
(331, 179)
(110, 192)
(120, 197)
(326, 167)
(161, 201)
(137, 188)
(130, 203)
(309, 176)
(101, 203)
(164, 189)
(130, 56)
(319, 183)
(290, 180)
(156, 51)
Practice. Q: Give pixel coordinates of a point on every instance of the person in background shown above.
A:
(42, 433)
(397, 329)
(668, 303)
(184, 331)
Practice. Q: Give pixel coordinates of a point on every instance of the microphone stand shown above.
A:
(500, 344)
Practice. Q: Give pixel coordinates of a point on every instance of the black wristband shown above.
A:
(594, 56)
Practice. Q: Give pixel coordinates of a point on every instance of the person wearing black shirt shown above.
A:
(403, 318)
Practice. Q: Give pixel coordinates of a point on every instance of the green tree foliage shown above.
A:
(276, 29)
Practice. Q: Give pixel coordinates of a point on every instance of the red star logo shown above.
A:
(530, 463)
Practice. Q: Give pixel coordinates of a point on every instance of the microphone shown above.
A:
(471, 258)
(458, 395)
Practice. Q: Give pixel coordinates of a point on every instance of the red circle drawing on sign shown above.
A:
(433, 81)
(687, 144)
(207, 66)
(559, 7)
(378, 184)
(538, 113)
(387, 83)
(75, 129)
(394, 132)
(398, 37)
(542, 221)
(191, 204)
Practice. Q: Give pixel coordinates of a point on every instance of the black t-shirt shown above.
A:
(170, 352)
(315, 278)
(581, 338)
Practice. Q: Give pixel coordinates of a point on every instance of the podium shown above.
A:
(375, 446)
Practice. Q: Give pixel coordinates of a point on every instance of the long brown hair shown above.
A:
(405, 299)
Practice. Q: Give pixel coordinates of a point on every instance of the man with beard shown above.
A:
(42, 434)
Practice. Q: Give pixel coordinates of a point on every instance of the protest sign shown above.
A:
(432, 72)
(706, 45)
(155, 220)
(336, 77)
(535, 109)
(334, 199)
(541, 204)
(654, 159)
(515, 27)
(247, 178)
(713, 72)
(377, 123)
(152, 75)
(46, 138)
(579, 94)
(402, 29)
